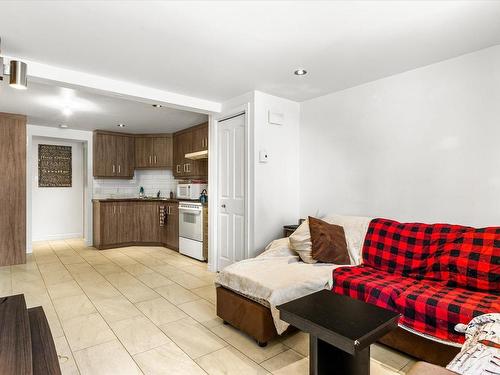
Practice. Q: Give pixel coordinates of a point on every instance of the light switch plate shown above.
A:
(276, 118)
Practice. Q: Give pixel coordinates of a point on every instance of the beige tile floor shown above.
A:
(148, 310)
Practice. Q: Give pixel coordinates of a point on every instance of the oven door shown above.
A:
(190, 223)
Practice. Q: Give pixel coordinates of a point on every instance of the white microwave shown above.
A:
(190, 191)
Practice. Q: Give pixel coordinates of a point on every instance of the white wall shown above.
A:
(422, 145)
(273, 189)
(64, 135)
(276, 183)
(57, 213)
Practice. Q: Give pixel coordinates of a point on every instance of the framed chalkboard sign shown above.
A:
(54, 166)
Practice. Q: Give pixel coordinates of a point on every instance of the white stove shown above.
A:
(191, 229)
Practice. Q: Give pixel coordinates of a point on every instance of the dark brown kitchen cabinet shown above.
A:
(127, 222)
(200, 138)
(134, 222)
(153, 152)
(108, 231)
(170, 232)
(148, 214)
(143, 157)
(125, 156)
(163, 150)
(182, 146)
(186, 141)
(114, 155)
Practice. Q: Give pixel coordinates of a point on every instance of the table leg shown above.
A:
(327, 359)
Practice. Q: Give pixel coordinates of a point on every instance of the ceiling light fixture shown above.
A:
(63, 126)
(157, 105)
(120, 125)
(18, 73)
(67, 111)
(300, 72)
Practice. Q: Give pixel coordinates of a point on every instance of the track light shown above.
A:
(18, 72)
(18, 75)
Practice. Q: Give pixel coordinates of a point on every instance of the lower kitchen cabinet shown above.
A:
(148, 214)
(125, 223)
(170, 232)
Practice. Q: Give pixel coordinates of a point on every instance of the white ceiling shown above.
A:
(217, 50)
(44, 105)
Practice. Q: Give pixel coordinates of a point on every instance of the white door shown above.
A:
(231, 199)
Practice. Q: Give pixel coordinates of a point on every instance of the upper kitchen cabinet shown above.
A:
(152, 152)
(182, 146)
(113, 155)
(188, 141)
(200, 138)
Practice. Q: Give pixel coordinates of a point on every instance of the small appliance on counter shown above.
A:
(204, 197)
(190, 191)
(191, 229)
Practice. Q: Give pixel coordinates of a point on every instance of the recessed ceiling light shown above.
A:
(63, 126)
(120, 125)
(157, 105)
(67, 111)
(300, 72)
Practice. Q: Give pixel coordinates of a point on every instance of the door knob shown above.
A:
(223, 206)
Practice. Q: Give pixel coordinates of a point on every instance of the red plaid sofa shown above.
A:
(435, 275)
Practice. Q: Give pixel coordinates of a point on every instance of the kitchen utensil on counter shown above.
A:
(141, 192)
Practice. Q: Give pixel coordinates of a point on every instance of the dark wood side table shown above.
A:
(289, 229)
(341, 330)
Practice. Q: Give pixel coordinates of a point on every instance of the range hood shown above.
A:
(197, 155)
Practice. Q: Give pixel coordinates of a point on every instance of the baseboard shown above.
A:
(55, 237)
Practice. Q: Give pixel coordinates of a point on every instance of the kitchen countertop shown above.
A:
(143, 200)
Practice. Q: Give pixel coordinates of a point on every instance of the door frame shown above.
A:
(85, 137)
(213, 182)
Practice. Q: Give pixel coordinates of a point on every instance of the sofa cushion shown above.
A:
(355, 228)
(433, 308)
(370, 285)
(457, 255)
(328, 242)
(300, 241)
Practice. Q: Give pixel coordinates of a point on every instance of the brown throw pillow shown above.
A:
(328, 242)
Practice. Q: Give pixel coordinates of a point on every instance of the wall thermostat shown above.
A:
(275, 118)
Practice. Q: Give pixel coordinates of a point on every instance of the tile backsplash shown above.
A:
(151, 180)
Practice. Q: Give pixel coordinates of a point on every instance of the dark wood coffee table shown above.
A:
(341, 330)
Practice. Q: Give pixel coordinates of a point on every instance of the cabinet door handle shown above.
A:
(178, 168)
(150, 160)
(156, 159)
(114, 169)
(119, 168)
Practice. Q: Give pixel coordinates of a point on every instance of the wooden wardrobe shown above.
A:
(12, 189)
